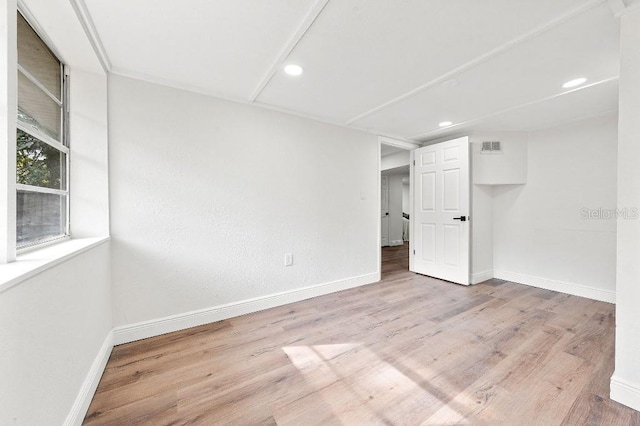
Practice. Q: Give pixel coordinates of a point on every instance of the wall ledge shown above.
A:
(560, 286)
(169, 324)
(36, 261)
(625, 392)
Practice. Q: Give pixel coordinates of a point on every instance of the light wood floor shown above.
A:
(409, 350)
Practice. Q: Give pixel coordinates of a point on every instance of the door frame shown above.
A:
(398, 143)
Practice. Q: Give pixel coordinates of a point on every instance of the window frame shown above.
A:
(62, 146)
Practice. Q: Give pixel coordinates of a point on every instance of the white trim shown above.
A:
(396, 243)
(156, 327)
(479, 277)
(378, 209)
(483, 58)
(40, 189)
(90, 384)
(625, 392)
(412, 231)
(84, 17)
(560, 286)
(291, 44)
(36, 133)
(398, 143)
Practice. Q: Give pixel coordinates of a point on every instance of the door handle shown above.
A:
(461, 218)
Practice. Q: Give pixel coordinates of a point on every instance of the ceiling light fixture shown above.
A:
(573, 83)
(445, 124)
(293, 69)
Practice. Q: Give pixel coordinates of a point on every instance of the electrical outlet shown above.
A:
(288, 259)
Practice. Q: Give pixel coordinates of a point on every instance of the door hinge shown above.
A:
(414, 162)
(414, 252)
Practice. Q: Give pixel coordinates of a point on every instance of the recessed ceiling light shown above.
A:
(573, 83)
(293, 69)
(445, 124)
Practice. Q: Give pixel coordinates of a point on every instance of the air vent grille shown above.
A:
(491, 147)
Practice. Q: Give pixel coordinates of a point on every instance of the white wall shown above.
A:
(208, 195)
(89, 186)
(625, 383)
(487, 170)
(540, 236)
(53, 327)
(8, 108)
(57, 324)
(506, 167)
(395, 210)
(406, 194)
(481, 233)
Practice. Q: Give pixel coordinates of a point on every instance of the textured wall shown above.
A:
(208, 195)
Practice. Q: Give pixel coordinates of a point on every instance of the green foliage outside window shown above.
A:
(38, 164)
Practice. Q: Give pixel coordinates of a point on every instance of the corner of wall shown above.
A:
(90, 383)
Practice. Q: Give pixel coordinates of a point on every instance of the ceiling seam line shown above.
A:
(175, 85)
(83, 15)
(503, 111)
(291, 44)
(482, 58)
(319, 119)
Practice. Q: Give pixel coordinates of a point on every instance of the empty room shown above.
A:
(299, 212)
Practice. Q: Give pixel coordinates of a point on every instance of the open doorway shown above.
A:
(395, 205)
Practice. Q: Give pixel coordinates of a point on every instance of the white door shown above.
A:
(384, 210)
(440, 217)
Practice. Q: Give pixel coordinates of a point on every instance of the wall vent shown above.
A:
(491, 147)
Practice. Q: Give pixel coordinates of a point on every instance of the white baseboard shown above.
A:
(561, 286)
(156, 327)
(396, 243)
(479, 277)
(625, 393)
(90, 384)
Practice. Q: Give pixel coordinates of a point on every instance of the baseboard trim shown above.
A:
(156, 327)
(561, 286)
(396, 243)
(479, 277)
(90, 384)
(625, 393)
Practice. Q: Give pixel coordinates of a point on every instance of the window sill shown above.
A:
(36, 261)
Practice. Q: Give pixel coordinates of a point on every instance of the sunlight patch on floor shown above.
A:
(356, 386)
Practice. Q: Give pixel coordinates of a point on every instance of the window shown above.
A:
(42, 149)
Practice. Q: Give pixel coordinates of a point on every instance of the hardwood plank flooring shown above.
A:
(409, 350)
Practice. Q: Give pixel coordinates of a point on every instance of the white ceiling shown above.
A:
(395, 68)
